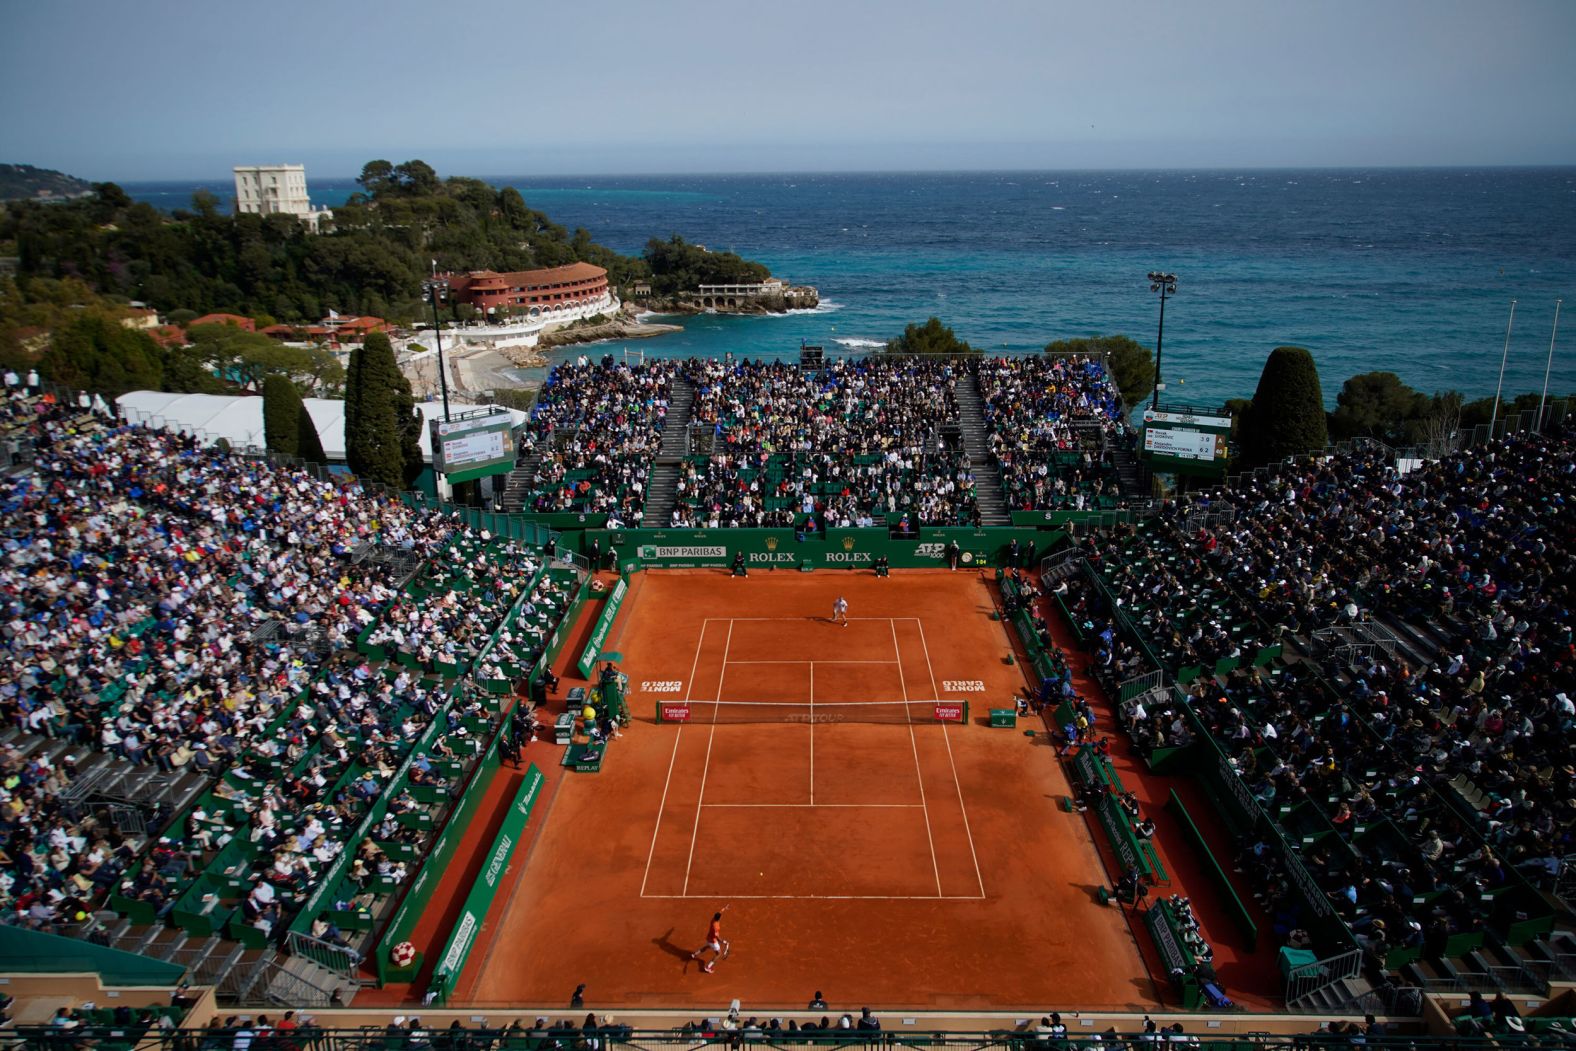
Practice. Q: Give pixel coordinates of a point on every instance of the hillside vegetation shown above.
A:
(25, 182)
(383, 242)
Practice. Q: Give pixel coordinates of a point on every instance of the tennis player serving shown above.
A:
(714, 942)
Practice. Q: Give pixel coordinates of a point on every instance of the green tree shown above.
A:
(287, 426)
(1131, 364)
(522, 398)
(1377, 405)
(376, 177)
(417, 179)
(249, 358)
(678, 266)
(382, 426)
(96, 352)
(1287, 417)
(187, 371)
(931, 338)
(205, 204)
(512, 207)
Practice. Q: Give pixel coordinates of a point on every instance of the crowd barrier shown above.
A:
(1228, 893)
(40, 952)
(451, 963)
(476, 1034)
(604, 624)
(829, 549)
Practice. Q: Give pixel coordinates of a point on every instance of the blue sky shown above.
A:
(177, 89)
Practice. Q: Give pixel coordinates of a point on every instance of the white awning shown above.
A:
(238, 418)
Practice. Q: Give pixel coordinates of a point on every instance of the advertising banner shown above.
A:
(604, 624)
(452, 961)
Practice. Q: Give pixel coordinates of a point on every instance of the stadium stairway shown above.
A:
(517, 486)
(662, 485)
(1133, 477)
(987, 479)
(137, 793)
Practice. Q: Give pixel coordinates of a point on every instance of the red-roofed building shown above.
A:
(225, 319)
(533, 292)
(168, 335)
(355, 329)
(332, 329)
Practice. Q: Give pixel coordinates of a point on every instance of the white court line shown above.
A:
(812, 733)
(820, 897)
(914, 744)
(817, 616)
(671, 760)
(695, 831)
(824, 806)
(959, 784)
(820, 661)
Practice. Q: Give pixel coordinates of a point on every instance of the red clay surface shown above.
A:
(902, 863)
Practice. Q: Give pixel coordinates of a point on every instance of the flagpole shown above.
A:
(1505, 356)
(1549, 364)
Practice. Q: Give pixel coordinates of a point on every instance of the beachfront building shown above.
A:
(772, 286)
(273, 189)
(744, 294)
(560, 292)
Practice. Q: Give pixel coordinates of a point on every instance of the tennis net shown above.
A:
(895, 712)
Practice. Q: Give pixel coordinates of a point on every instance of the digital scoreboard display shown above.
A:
(1189, 443)
(475, 447)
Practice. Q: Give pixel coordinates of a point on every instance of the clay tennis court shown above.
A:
(870, 845)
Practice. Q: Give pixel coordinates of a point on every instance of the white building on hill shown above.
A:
(269, 189)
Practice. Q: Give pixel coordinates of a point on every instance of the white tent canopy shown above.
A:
(239, 418)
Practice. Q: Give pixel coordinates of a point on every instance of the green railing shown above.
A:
(1239, 911)
(477, 1036)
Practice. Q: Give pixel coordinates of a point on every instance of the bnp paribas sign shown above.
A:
(684, 553)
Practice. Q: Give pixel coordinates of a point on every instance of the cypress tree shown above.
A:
(287, 426)
(281, 408)
(308, 441)
(1287, 417)
(410, 424)
(375, 394)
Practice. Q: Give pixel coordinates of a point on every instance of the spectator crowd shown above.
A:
(1429, 780)
(854, 442)
(189, 610)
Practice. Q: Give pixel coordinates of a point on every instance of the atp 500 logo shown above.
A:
(931, 550)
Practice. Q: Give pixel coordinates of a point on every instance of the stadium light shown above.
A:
(434, 289)
(1166, 285)
(1549, 364)
(1504, 356)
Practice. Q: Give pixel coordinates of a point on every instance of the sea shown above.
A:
(1412, 271)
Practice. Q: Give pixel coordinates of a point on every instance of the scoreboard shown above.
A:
(1187, 442)
(473, 445)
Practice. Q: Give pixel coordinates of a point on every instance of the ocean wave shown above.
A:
(826, 306)
(860, 344)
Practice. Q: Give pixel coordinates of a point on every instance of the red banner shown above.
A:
(675, 713)
(950, 712)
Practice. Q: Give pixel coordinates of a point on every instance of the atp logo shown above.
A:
(929, 550)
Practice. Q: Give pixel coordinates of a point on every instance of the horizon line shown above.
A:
(918, 171)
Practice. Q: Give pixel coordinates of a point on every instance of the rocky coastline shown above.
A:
(626, 324)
